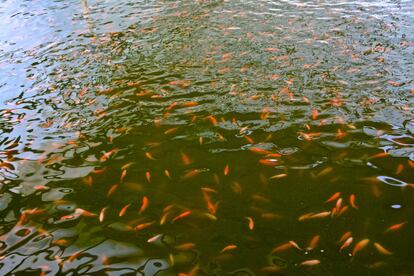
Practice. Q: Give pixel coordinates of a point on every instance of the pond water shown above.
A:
(207, 137)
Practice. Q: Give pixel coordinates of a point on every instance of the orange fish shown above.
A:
(295, 245)
(314, 216)
(149, 156)
(154, 239)
(185, 246)
(226, 170)
(164, 218)
(379, 155)
(210, 206)
(273, 155)
(340, 134)
(324, 172)
(96, 171)
(251, 223)
(112, 190)
(191, 173)
(400, 168)
(168, 208)
(143, 225)
(170, 130)
(265, 114)
(305, 216)
(126, 166)
(270, 216)
(229, 247)
(321, 215)
(84, 212)
(42, 187)
(123, 174)
(124, 209)
(248, 139)
(314, 242)
(208, 190)
(314, 115)
(186, 160)
(343, 210)
(148, 176)
(310, 263)
(282, 247)
(346, 243)
(338, 204)
(309, 136)
(73, 256)
(60, 242)
(333, 197)
(102, 214)
(277, 176)
(88, 180)
(381, 249)
(167, 173)
(345, 236)
(395, 227)
(201, 140)
(170, 107)
(269, 162)
(182, 215)
(189, 104)
(360, 245)
(106, 155)
(144, 204)
(259, 150)
(352, 201)
(212, 120)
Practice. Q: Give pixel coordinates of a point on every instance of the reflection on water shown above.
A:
(206, 137)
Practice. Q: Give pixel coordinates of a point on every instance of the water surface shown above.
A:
(207, 137)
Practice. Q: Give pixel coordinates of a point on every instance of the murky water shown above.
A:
(207, 137)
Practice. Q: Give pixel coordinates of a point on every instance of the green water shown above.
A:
(207, 137)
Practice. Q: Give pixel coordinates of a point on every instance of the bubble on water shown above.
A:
(396, 206)
(369, 164)
(66, 207)
(391, 181)
(56, 194)
(402, 140)
(289, 151)
(243, 133)
(277, 261)
(5, 199)
(40, 237)
(411, 156)
(23, 232)
(3, 245)
(371, 131)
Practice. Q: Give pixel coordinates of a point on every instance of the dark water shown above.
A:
(206, 137)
